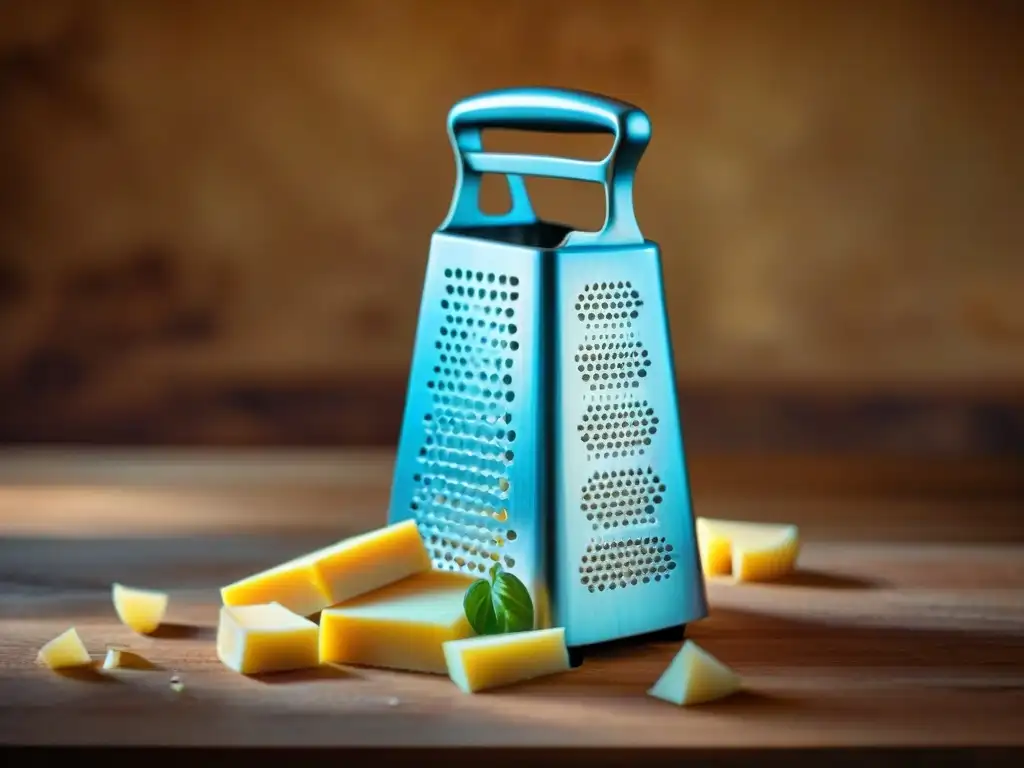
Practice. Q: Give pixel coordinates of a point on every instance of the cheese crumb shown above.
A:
(122, 658)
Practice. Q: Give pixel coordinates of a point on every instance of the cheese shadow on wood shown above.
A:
(313, 674)
(824, 580)
(175, 631)
(726, 634)
(751, 701)
(826, 643)
(90, 674)
(133, 662)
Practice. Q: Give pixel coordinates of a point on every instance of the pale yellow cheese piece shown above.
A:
(372, 560)
(402, 626)
(65, 651)
(480, 663)
(140, 609)
(294, 584)
(695, 677)
(336, 573)
(257, 639)
(748, 551)
(122, 658)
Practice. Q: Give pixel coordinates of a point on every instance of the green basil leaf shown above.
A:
(480, 609)
(512, 604)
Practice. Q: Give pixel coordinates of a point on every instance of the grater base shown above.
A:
(674, 634)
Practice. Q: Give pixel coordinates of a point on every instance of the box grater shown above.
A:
(541, 427)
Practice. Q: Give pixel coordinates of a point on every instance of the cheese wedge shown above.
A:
(695, 677)
(122, 658)
(402, 626)
(294, 584)
(257, 639)
(65, 651)
(480, 663)
(140, 609)
(748, 551)
(336, 573)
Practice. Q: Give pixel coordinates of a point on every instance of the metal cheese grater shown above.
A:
(541, 427)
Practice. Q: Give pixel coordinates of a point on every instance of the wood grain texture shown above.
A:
(214, 220)
(883, 639)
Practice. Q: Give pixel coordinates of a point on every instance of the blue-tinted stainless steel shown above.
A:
(541, 427)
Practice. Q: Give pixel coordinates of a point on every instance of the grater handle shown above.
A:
(550, 110)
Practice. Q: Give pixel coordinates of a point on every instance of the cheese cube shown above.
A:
(336, 573)
(695, 677)
(256, 639)
(402, 626)
(479, 663)
(65, 651)
(749, 551)
(140, 609)
(122, 658)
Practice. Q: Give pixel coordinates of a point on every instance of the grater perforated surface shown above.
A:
(621, 498)
(618, 425)
(626, 563)
(462, 477)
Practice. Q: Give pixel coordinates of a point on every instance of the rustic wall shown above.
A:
(214, 216)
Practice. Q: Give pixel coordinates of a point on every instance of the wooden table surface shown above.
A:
(905, 626)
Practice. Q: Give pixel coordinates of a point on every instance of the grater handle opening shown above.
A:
(550, 110)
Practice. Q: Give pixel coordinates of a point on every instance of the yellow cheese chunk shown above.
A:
(336, 573)
(65, 651)
(294, 584)
(122, 658)
(402, 626)
(479, 663)
(257, 639)
(261, 639)
(372, 560)
(140, 609)
(695, 677)
(749, 551)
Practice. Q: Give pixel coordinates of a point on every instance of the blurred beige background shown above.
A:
(215, 216)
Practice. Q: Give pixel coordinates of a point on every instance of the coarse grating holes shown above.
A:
(462, 498)
(625, 563)
(621, 498)
(617, 429)
(612, 364)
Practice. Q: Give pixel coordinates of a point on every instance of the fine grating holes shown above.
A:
(612, 361)
(622, 498)
(462, 497)
(618, 422)
(617, 429)
(626, 563)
